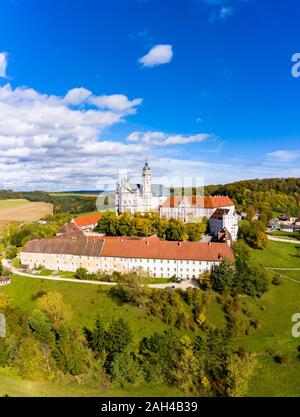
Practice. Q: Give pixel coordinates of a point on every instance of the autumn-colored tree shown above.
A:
(56, 310)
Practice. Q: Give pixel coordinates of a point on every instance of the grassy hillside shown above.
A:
(278, 255)
(272, 312)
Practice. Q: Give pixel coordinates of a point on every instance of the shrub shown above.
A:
(276, 280)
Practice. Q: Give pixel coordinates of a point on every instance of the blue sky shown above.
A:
(199, 87)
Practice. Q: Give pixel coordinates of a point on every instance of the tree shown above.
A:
(256, 281)
(125, 368)
(118, 336)
(42, 330)
(132, 289)
(73, 356)
(250, 212)
(97, 338)
(222, 276)
(175, 230)
(124, 224)
(1, 268)
(261, 240)
(11, 252)
(81, 273)
(55, 309)
(30, 359)
(195, 230)
(253, 233)
(108, 224)
(5, 302)
(240, 369)
(183, 365)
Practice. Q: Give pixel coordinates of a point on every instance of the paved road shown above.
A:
(183, 285)
(282, 239)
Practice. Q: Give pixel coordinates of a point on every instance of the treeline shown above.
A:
(276, 194)
(15, 235)
(148, 224)
(61, 204)
(45, 345)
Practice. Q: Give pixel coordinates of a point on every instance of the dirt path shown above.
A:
(183, 285)
(282, 239)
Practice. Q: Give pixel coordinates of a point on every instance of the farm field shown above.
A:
(23, 210)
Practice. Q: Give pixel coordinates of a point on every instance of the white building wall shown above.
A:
(159, 268)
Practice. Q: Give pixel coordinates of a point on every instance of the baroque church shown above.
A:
(139, 197)
(219, 210)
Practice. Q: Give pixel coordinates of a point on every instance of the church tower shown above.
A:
(146, 182)
(147, 197)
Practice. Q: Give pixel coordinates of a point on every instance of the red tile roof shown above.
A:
(80, 245)
(82, 221)
(147, 248)
(154, 248)
(198, 201)
(69, 228)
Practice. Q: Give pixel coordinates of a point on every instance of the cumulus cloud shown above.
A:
(284, 155)
(77, 96)
(47, 138)
(3, 64)
(163, 139)
(159, 54)
(117, 103)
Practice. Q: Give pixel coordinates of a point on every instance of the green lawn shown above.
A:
(278, 255)
(274, 312)
(87, 302)
(290, 274)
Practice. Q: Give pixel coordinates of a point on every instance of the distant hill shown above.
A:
(276, 194)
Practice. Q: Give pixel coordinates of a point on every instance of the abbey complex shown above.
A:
(78, 245)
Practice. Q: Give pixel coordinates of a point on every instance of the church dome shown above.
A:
(146, 167)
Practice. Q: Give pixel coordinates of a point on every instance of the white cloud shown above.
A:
(285, 156)
(117, 103)
(3, 64)
(163, 139)
(159, 54)
(77, 96)
(45, 139)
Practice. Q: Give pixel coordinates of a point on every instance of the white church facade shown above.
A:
(137, 198)
(219, 210)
